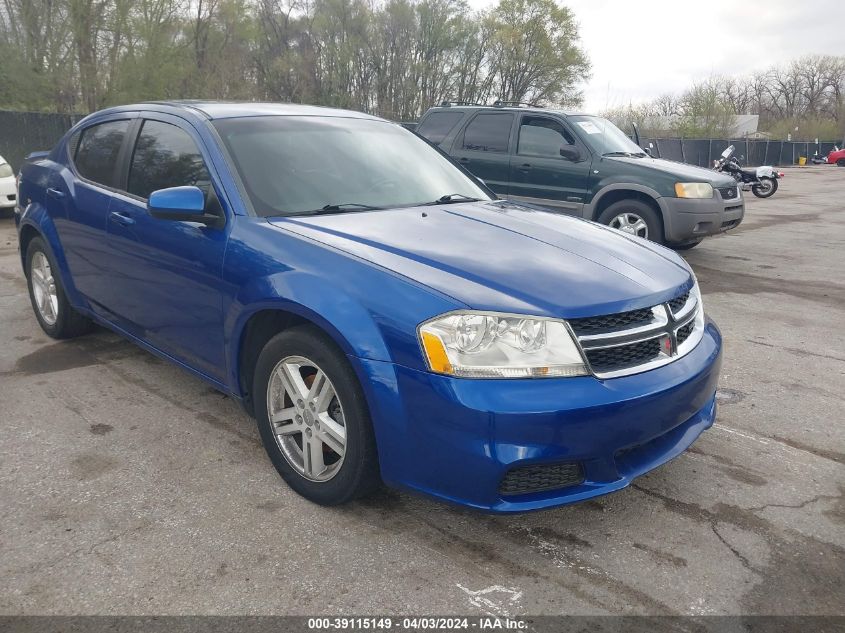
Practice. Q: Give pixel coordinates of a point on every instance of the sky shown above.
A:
(641, 49)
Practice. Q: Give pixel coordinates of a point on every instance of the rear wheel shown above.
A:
(313, 419)
(635, 218)
(765, 188)
(55, 315)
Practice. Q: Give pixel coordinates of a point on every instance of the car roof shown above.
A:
(507, 108)
(232, 109)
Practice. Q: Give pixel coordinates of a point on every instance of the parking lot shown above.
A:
(130, 487)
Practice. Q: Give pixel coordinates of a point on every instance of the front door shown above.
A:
(483, 147)
(166, 273)
(540, 174)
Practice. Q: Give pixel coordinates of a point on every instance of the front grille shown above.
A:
(614, 358)
(728, 193)
(12, 197)
(629, 342)
(684, 332)
(729, 224)
(679, 302)
(538, 478)
(611, 322)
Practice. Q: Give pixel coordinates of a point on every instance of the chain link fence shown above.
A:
(24, 132)
(703, 152)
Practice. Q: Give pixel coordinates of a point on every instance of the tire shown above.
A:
(53, 311)
(337, 470)
(685, 247)
(767, 193)
(840, 162)
(631, 208)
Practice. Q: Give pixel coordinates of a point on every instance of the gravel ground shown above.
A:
(130, 487)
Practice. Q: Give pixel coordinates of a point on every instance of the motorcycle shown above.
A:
(761, 181)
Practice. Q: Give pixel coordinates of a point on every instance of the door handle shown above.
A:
(119, 218)
(525, 167)
(55, 193)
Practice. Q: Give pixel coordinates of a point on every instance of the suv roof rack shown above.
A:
(502, 104)
(449, 104)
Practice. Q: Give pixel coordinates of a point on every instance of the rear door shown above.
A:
(167, 284)
(538, 172)
(80, 205)
(483, 145)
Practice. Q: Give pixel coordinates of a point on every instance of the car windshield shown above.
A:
(292, 165)
(604, 137)
(6, 170)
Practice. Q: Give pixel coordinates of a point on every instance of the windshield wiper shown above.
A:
(340, 208)
(451, 198)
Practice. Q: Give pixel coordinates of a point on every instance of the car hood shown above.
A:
(507, 257)
(682, 171)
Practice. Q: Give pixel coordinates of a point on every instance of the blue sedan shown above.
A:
(378, 311)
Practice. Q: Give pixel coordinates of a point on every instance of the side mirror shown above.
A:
(647, 150)
(185, 204)
(570, 152)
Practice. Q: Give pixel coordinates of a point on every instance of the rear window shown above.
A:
(489, 132)
(96, 154)
(437, 125)
(6, 170)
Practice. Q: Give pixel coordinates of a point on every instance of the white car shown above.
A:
(8, 187)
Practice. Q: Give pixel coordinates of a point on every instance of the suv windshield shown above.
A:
(604, 137)
(293, 165)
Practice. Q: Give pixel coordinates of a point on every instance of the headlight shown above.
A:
(693, 190)
(493, 345)
(696, 292)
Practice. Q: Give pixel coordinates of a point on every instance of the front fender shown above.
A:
(317, 299)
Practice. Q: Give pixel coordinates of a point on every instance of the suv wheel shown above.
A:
(55, 315)
(635, 218)
(313, 418)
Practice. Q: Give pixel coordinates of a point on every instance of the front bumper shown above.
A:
(455, 439)
(688, 219)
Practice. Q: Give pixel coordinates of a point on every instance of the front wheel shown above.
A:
(635, 218)
(840, 162)
(313, 418)
(765, 188)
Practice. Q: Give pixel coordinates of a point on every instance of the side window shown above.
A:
(165, 156)
(97, 151)
(489, 132)
(438, 124)
(540, 136)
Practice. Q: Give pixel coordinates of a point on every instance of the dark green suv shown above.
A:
(584, 165)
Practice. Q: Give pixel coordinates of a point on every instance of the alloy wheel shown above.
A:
(307, 418)
(631, 223)
(44, 288)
